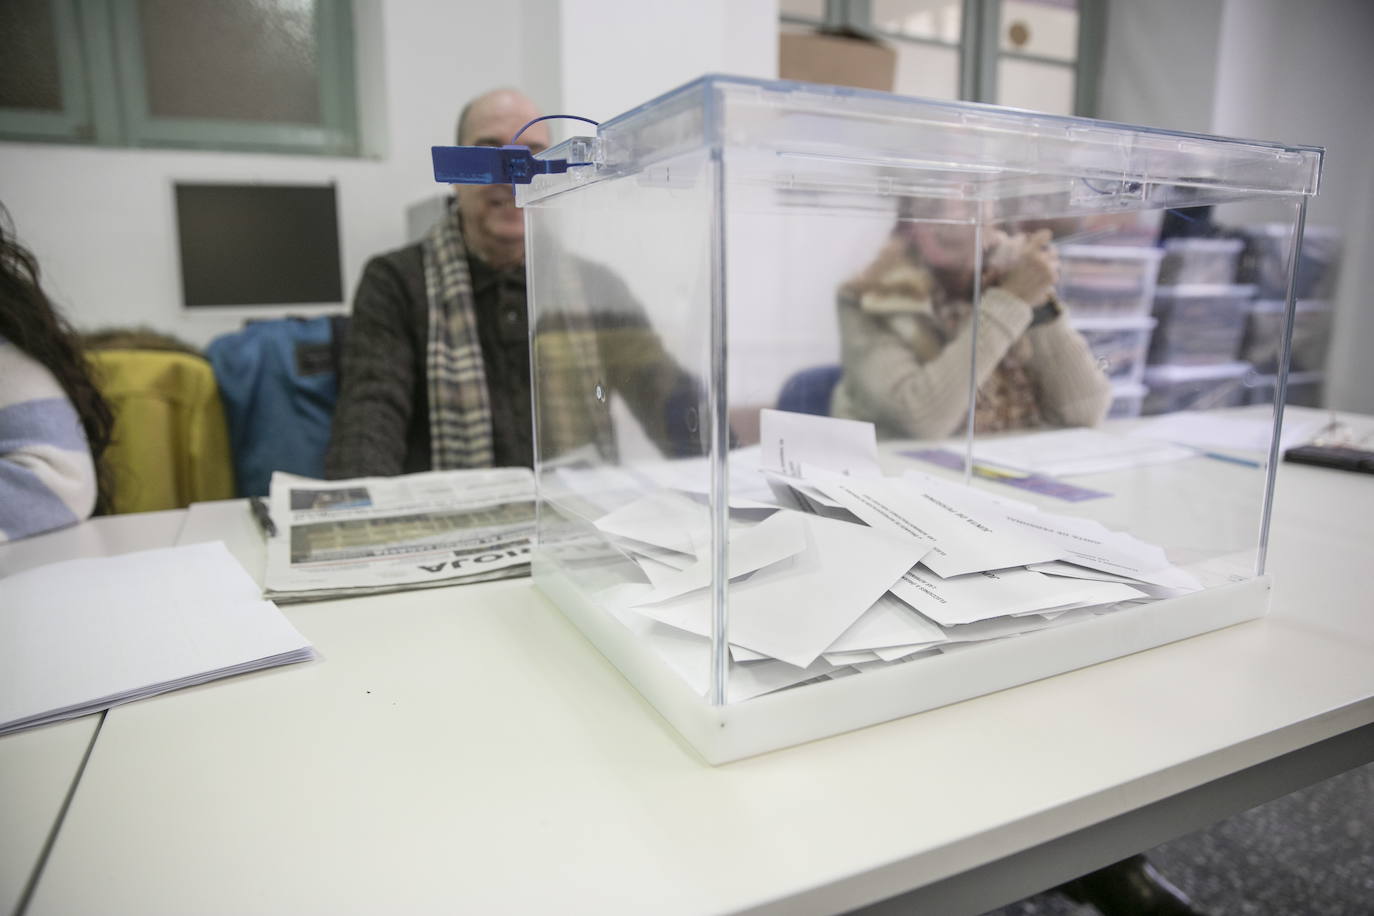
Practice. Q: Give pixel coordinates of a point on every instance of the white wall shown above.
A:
(1159, 63)
(1302, 72)
(619, 53)
(102, 223)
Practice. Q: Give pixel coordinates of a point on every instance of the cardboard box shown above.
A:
(837, 59)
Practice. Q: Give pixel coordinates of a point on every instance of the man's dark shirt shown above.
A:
(503, 327)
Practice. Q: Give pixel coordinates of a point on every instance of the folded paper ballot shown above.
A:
(80, 636)
(790, 440)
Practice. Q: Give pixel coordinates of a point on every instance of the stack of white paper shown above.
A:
(854, 571)
(84, 635)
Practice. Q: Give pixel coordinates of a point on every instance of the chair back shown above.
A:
(170, 445)
(809, 390)
(279, 383)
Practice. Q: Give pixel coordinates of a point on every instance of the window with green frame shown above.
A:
(266, 75)
(1042, 55)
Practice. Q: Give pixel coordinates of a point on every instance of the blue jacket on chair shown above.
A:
(279, 381)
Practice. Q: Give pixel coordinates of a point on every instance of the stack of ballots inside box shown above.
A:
(836, 569)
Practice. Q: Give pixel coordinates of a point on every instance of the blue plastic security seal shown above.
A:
(491, 165)
(509, 164)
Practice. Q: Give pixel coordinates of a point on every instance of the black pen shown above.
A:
(269, 528)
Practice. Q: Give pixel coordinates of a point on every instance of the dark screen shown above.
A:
(258, 244)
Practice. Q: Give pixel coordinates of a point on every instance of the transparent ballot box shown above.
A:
(817, 442)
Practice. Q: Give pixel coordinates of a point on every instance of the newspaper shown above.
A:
(376, 534)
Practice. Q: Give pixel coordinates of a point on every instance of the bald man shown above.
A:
(436, 367)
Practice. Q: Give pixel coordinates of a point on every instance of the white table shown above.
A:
(39, 767)
(465, 750)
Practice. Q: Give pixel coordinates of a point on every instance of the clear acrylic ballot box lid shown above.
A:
(818, 445)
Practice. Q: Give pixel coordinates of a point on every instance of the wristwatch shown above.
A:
(1046, 312)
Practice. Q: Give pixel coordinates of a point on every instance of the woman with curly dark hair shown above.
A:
(54, 425)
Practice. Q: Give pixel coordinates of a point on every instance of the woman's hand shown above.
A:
(1032, 277)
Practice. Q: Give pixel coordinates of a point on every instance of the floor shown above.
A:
(1306, 854)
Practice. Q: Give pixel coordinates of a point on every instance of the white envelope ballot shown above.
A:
(795, 609)
(1001, 593)
(1002, 627)
(965, 531)
(1089, 543)
(889, 622)
(664, 519)
(774, 539)
(789, 440)
(1074, 571)
(689, 655)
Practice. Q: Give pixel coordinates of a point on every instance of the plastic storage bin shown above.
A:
(1304, 389)
(733, 235)
(1107, 281)
(1174, 388)
(1263, 344)
(1120, 345)
(1265, 261)
(1199, 325)
(1199, 260)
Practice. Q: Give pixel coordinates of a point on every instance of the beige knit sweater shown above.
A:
(907, 370)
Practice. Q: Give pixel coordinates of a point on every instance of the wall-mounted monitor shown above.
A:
(258, 244)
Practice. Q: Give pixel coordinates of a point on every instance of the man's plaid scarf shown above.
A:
(459, 405)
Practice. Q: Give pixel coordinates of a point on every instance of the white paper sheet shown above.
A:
(1069, 452)
(795, 609)
(985, 595)
(1209, 430)
(84, 635)
(789, 440)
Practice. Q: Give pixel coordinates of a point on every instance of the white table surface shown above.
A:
(466, 750)
(38, 766)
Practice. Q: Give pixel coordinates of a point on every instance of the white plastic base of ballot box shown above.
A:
(793, 716)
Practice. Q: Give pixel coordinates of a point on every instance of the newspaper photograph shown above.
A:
(369, 534)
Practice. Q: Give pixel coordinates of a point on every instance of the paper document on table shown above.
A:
(84, 635)
(795, 609)
(1206, 429)
(1067, 452)
(369, 534)
(789, 440)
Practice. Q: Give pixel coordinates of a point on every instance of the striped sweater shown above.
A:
(47, 477)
